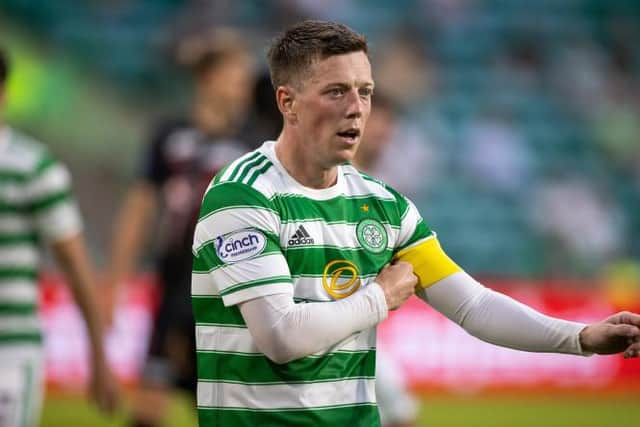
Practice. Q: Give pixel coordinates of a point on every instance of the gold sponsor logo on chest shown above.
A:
(340, 278)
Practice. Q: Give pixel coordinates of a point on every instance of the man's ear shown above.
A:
(286, 99)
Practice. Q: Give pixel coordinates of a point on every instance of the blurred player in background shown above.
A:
(37, 207)
(180, 160)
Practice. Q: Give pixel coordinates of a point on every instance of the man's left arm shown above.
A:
(498, 319)
(72, 258)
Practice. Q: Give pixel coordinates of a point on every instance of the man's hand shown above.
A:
(620, 332)
(398, 283)
(103, 388)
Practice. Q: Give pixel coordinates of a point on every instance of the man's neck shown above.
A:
(301, 166)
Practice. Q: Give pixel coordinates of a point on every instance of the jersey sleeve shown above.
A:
(51, 202)
(418, 245)
(236, 246)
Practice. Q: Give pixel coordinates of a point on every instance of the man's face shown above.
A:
(331, 107)
(229, 84)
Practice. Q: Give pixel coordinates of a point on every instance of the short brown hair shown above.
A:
(292, 52)
(202, 52)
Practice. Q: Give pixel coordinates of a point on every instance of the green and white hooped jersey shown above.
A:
(260, 233)
(35, 206)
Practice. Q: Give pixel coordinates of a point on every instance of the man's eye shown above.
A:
(336, 91)
(366, 92)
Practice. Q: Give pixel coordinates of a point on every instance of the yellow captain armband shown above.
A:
(429, 261)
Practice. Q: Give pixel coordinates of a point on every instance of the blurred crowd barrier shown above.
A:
(430, 351)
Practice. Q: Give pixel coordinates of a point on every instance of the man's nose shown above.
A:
(355, 104)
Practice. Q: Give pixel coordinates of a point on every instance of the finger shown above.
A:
(628, 318)
(404, 265)
(632, 351)
(624, 330)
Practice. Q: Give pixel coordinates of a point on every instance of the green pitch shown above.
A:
(556, 410)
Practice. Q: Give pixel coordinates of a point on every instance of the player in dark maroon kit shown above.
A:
(178, 165)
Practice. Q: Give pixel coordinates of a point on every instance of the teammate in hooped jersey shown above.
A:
(285, 334)
(37, 208)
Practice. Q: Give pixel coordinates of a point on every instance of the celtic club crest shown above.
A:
(372, 235)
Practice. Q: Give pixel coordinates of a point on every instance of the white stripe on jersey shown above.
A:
(408, 225)
(323, 234)
(21, 324)
(18, 291)
(311, 288)
(60, 221)
(22, 255)
(53, 180)
(272, 265)
(234, 219)
(239, 340)
(218, 280)
(307, 395)
(14, 224)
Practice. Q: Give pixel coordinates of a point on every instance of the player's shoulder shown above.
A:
(24, 154)
(244, 181)
(364, 183)
(253, 171)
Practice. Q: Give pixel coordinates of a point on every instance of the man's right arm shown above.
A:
(285, 331)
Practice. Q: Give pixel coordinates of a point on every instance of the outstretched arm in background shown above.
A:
(72, 258)
(131, 229)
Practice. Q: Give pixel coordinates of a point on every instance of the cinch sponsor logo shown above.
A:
(240, 245)
(301, 237)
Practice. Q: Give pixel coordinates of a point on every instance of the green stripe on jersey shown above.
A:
(422, 231)
(249, 167)
(227, 195)
(253, 283)
(50, 200)
(241, 165)
(20, 238)
(351, 416)
(13, 176)
(258, 369)
(13, 208)
(211, 310)
(259, 172)
(15, 338)
(18, 273)
(17, 309)
(44, 164)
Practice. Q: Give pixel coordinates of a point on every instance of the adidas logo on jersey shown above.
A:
(301, 237)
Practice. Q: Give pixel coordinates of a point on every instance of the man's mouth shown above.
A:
(349, 135)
